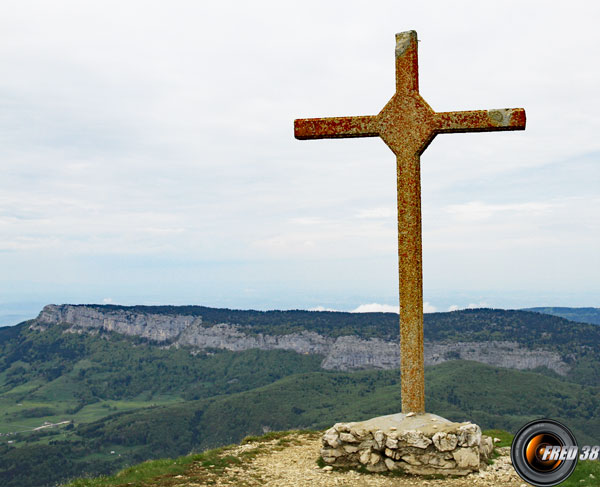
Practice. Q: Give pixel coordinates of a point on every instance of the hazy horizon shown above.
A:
(15, 313)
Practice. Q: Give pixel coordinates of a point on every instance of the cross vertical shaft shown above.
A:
(410, 273)
(407, 124)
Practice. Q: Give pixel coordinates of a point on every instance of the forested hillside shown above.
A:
(580, 315)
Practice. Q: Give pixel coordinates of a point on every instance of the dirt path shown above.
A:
(292, 462)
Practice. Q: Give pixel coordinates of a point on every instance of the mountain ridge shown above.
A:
(354, 345)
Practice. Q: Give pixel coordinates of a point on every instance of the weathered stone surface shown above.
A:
(486, 447)
(361, 433)
(341, 427)
(332, 452)
(348, 438)
(469, 435)
(375, 458)
(467, 457)
(391, 453)
(419, 444)
(366, 445)
(445, 441)
(379, 438)
(331, 438)
(410, 459)
(364, 457)
(391, 442)
(416, 438)
(440, 460)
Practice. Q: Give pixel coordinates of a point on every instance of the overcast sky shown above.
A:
(147, 154)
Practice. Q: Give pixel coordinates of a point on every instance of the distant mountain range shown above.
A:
(347, 341)
(580, 315)
(90, 388)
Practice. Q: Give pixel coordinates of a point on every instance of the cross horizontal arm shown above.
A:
(336, 127)
(480, 120)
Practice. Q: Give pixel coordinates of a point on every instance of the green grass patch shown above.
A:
(22, 417)
(505, 437)
(23, 389)
(586, 474)
(146, 472)
(137, 475)
(196, 466)
(101, 409)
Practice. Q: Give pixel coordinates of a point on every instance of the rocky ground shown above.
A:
(291, 461)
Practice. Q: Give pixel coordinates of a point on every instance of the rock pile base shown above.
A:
(421, 444)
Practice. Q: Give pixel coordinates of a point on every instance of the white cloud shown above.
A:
(107, 300)
(321, 308)
(376, 308)
(387, 308)
(481, 304)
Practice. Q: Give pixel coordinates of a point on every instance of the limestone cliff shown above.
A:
(340, 353)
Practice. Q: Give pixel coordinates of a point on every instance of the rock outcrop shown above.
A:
(340, 353)
(422, 444)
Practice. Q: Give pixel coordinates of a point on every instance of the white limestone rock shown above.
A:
(412, 459)
(379, 437)
(331, 452)
(375, 458)
(416, 439)
(364, 457)
(394, 454)
(391, 442)
(486, 447)
(466, 457)
(445, 441)
(341, 427)
(469, 435)
(347, 438)
(331, 438)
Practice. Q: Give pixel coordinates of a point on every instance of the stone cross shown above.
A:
(407, 124)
